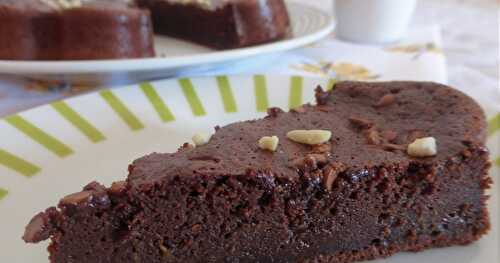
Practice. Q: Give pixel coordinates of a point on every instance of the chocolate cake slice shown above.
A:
(220, 24)
(74, 30)
(371, 170)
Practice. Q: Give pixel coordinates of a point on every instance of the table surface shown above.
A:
(469, 36)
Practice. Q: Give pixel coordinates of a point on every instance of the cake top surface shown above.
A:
(47, 5)
(25, 4)
(67, 4)
(206, 4)
(371, 126)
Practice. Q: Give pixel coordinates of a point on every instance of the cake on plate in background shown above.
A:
(111, 29)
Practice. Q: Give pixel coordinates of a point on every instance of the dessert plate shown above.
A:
(174, 57)
(53, 150)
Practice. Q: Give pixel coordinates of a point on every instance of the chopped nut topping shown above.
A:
(311, 161)
(76, 198)
(372, 136)
(329, 177)
(200, 139)
(423, 147)
(386, 100)
(269, 143)
(330, 174)
(310, 137)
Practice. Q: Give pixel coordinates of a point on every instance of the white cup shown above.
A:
(373, 21)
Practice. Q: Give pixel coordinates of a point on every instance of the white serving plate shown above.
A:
(174, 57)
(126, 123)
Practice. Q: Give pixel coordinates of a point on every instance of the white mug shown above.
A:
(373, 21)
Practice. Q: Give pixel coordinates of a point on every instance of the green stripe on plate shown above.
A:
(331, 84)
(44, 139)
(261, 100)
(497, 162)
(78, 121)
(494, 125)
(226, 94)
(157, 102)
(295, 98)
(17, 164)
(125, 114)
(3, 193)
(192, 97)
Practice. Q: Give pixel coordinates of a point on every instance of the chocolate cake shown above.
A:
(220, 24)
(371, 170)
(73, 30)
(110, 29)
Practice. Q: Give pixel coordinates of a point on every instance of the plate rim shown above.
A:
(16, 67)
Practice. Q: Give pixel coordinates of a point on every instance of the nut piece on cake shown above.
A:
(310, 137)
(423, 147)
(269, 143)
(200, 139)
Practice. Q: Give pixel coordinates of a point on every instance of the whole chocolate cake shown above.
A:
(371, 170)
(110, 29)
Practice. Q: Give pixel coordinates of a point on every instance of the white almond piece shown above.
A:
(423, 147)
(200, 139)
(310, 137)
(269, 143)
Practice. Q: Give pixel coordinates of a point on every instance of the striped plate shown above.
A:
(53, 150)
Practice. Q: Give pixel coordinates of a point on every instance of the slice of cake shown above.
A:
(74, 30)
(373, 169)
(221, 24)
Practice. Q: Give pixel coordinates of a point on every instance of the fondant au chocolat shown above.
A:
(358, 196)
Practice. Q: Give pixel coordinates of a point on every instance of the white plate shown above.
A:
(126, 123)
(174, 56)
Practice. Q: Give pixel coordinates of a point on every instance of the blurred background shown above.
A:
(465, 31)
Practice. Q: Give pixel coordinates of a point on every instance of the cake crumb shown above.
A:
(386, 100)
(200, 139)
(423, 147)
(310, 137)
(76, 198)
(269, 143)
(329, 177)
